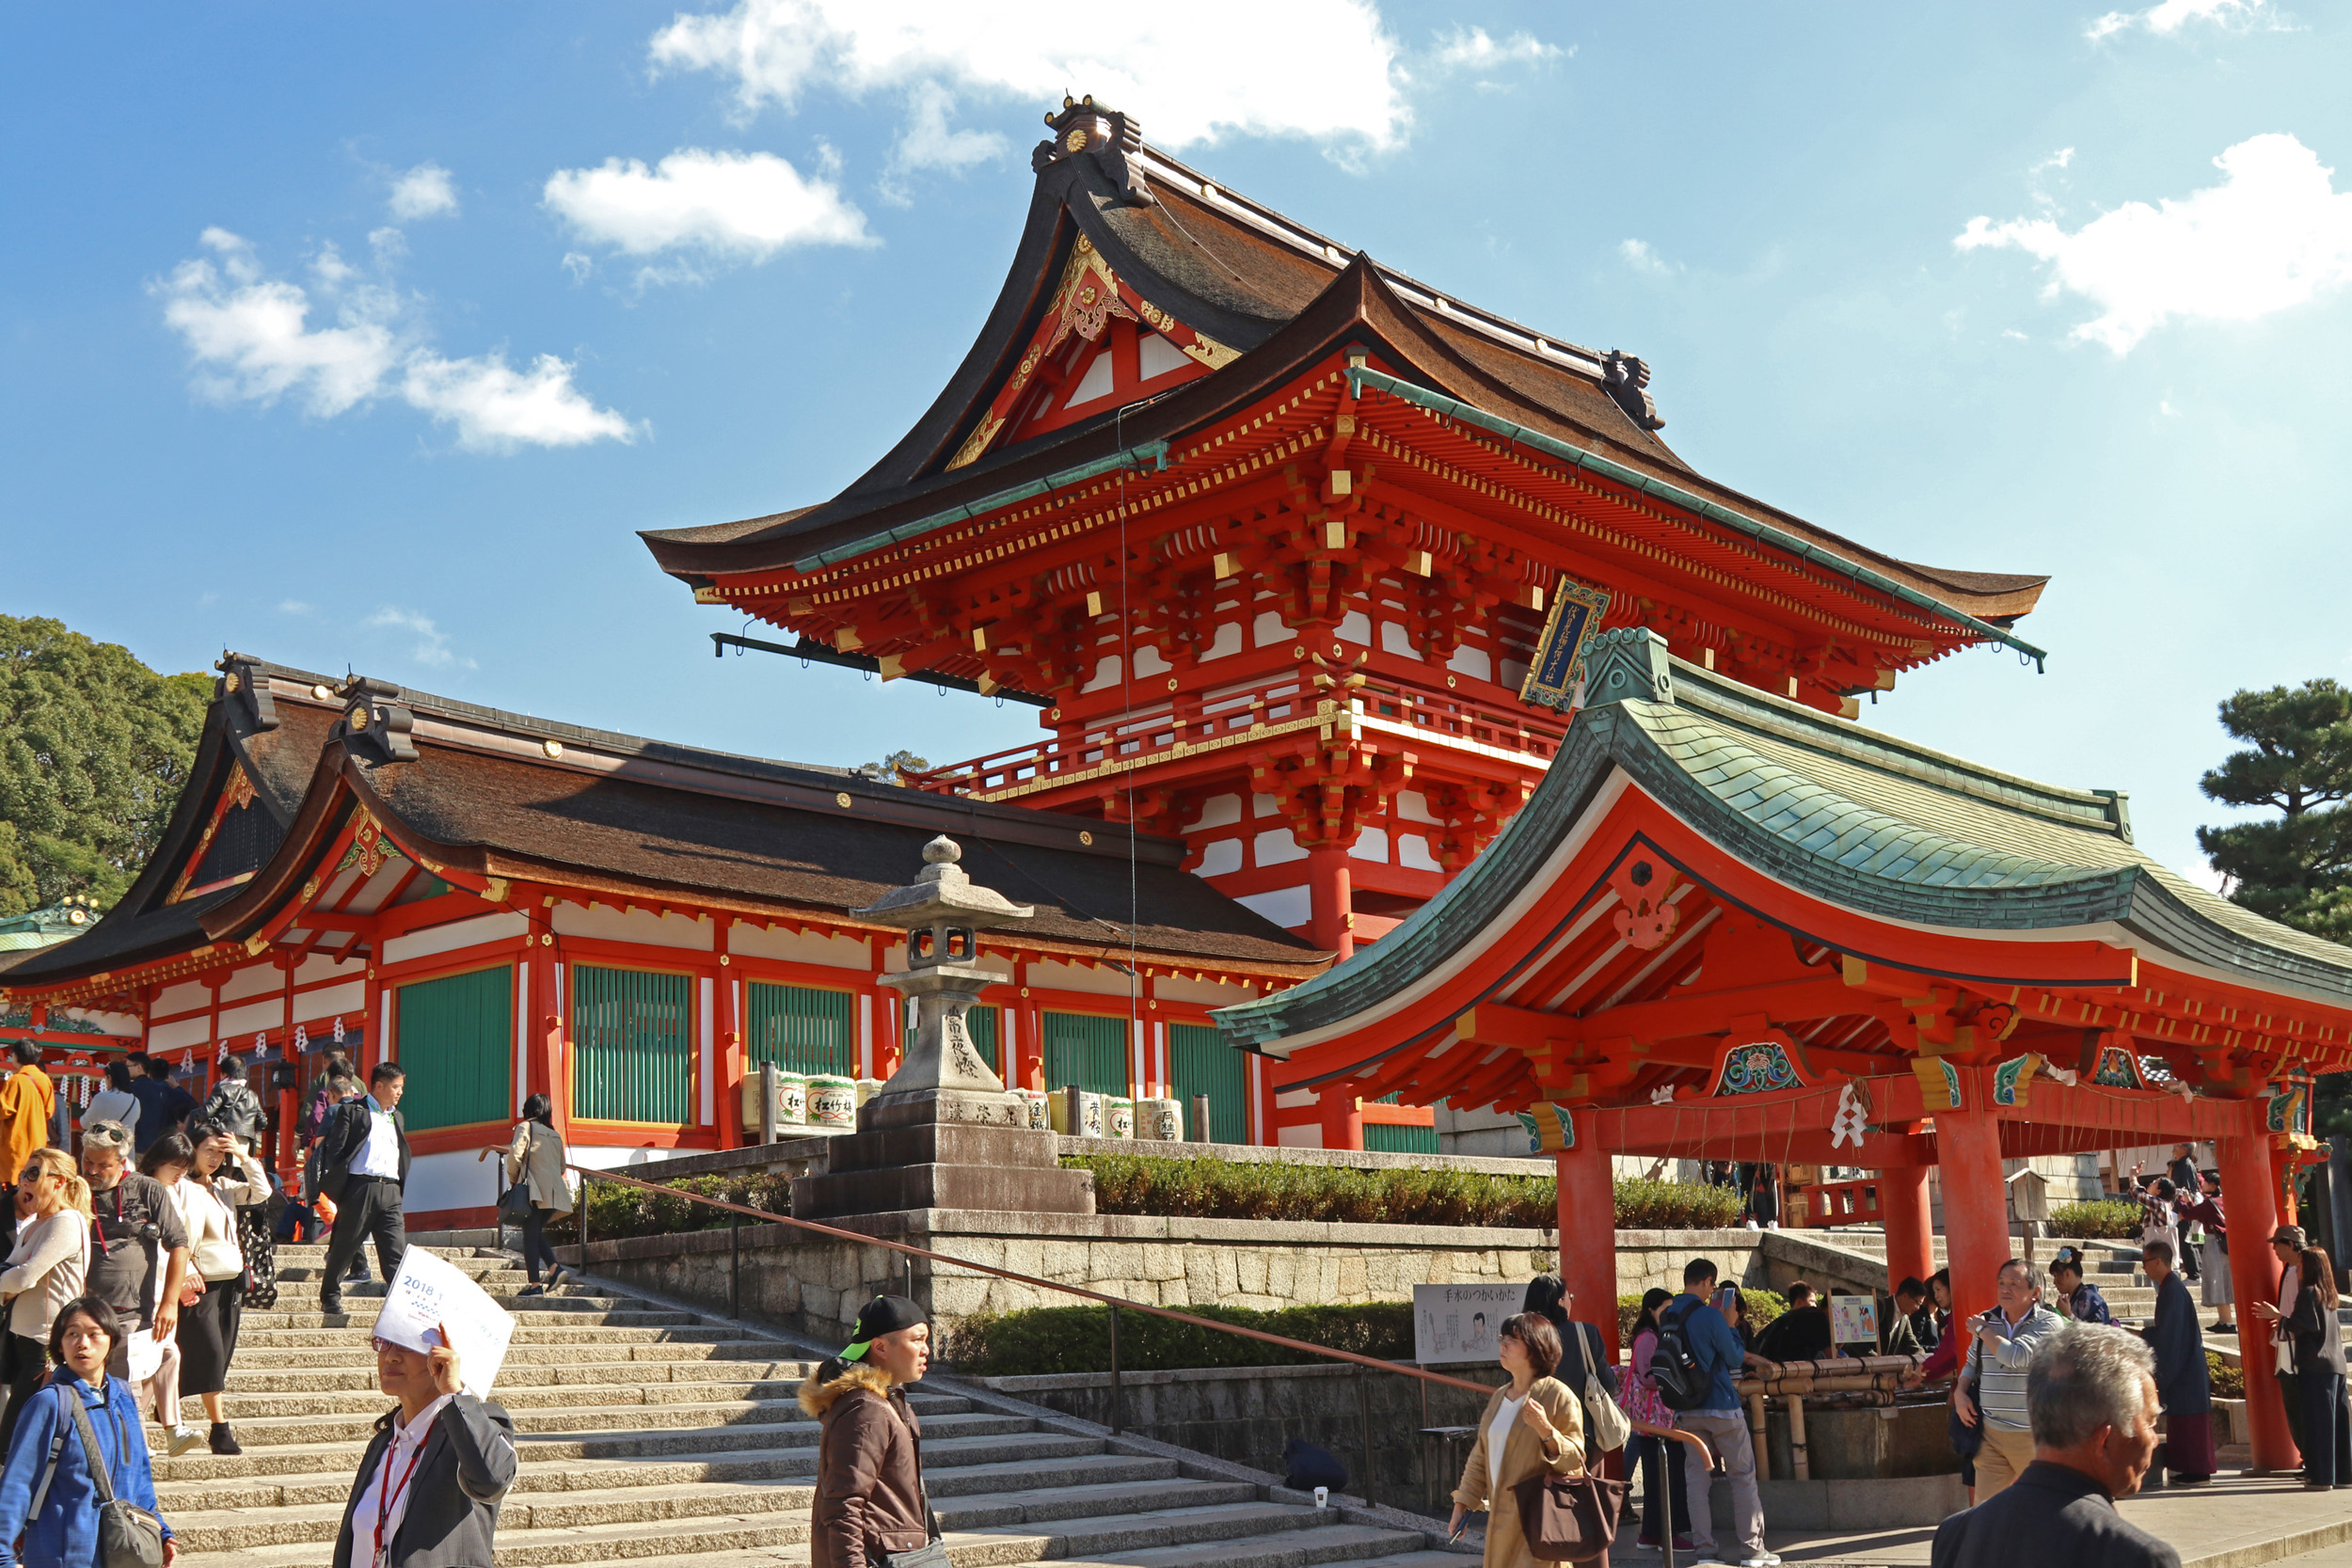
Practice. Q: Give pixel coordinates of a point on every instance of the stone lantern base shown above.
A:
(941, 1162)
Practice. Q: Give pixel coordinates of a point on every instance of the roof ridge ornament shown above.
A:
(239, 677)
(1626, 664)
(1083, 127)
(375, 721)
(1626, 379)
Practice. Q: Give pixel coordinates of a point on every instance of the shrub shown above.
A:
(2110, 1218)
(1235, 1189)
(2228, 1379)
(1674, 1206)
(615, 1211)
(1040, 1340)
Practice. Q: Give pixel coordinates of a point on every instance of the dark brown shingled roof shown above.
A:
(622, 812)
(1242, 274)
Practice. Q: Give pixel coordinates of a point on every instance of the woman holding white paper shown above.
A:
(210, 1176)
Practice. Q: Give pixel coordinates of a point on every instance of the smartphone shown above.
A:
(1458, 1531)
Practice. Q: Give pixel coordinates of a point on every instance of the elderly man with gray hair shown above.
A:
(2092, 1393)
(2001, 1343)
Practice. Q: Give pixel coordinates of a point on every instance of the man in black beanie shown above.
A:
(870, 1503)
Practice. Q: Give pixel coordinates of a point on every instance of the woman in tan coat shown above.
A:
(1532, 1424)
(536, 1156)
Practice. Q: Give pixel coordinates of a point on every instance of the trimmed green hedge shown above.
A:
(2118, 1219)
(2228, 1380)
(1042, 1340)
(615, 1211)
(1238, 1190)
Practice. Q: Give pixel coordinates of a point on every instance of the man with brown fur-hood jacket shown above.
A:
(870, 1503)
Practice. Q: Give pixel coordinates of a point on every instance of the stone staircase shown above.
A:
(658, 1436)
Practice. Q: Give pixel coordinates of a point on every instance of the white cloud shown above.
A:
(294, 606)
(1324, 70)
(737, 206)
(2060, 159)
(2272, 235)
(251, 338)
(2201, 871)
(1641, 258)
(424, 192)
(2170, 16)
(432, 646)
(929, 143)
(1472, 48)
(496, 408)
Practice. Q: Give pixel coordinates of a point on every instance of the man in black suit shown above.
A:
(429, 1487)
(363, 1160)
(2091, 1395)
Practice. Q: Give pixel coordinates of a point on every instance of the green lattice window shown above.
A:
(1386, 1138)
(455, 1039)
(632, 1045)
(981, 1022)
(803, 1029)
(1199, 1062)
(1086, 1050)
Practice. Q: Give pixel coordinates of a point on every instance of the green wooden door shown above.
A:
(632, 1045)
(1088, 1050)
(980, 1023)
(1384, 1138)
(803, 1029)
(456, 1038)
(1199, 1062)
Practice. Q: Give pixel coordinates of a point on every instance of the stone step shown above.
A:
(569, 1320)
(659, 1444)
(347, 1332)
(351, 1350)
(254, 1408)
(781, 1418)
(357, 1371)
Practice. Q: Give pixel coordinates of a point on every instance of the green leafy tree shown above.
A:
(2295, 868)
(94, 750)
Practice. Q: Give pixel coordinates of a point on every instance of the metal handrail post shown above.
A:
(1363, 1408)
(735, 1266)
(1118, 1423)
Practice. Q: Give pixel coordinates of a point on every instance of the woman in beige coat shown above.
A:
(1532, 1424)
(536, 1157)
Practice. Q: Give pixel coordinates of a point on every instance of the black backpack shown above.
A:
(1681, 1381)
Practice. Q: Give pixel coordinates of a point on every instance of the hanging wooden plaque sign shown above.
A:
(1559, 666)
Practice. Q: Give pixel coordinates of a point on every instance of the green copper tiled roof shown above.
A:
(1847, 814)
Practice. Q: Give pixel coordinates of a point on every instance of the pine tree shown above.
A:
(94, 750)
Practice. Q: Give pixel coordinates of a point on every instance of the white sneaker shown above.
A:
(181, 1439)
(1761, 1560)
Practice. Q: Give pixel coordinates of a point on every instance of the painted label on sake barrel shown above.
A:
(1160, 1119)
(1119, 1118)
(791, 1099)
(832, 1102)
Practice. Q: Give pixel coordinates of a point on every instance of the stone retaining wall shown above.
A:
(816, 1284)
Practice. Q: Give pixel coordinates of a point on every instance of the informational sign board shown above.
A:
(430, 1293)
(1853, 1320)
(1454, 1324)
(1552, 679)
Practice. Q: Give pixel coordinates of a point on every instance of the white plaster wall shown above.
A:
(610, 925)
(807, 947)
(503, 927)
(1051, 976)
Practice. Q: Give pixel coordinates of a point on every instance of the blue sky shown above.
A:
(366, 337)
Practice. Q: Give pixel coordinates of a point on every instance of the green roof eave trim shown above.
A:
(1361, 376)
(1620, 736)
(1152, 452)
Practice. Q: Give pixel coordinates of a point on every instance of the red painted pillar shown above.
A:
(2250, 1195)
(1976, 1207)
(1333, 923)
(1342, 1116)
(1910, 1223)
(1588, 1230)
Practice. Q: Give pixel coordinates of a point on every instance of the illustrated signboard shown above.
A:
(1853, 1320)
(430, 1292)
(1552, 680)
(1461, 1323)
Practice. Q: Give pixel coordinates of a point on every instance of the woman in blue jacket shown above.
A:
(64, 1532)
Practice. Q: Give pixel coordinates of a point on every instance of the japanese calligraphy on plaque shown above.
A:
(1559, 667)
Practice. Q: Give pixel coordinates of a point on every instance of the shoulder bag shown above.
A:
(128, 1535)
(1606, 1428)
(1567, 1518)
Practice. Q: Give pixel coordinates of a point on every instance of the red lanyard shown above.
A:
(386, 1499)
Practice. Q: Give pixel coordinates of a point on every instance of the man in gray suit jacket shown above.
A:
(428, 1490)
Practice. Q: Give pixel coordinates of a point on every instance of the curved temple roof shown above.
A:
(1856, 820)
(1253, 281)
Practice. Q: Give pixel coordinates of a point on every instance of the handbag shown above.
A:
(128, 1535)
(1568, 1518)
(514, 1203)
(1966, 1439)
(1606, 1428)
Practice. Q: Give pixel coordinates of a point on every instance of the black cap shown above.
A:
(883, 1315)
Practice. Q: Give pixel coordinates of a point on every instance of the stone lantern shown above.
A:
(943, 1132)
(943, 1077)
